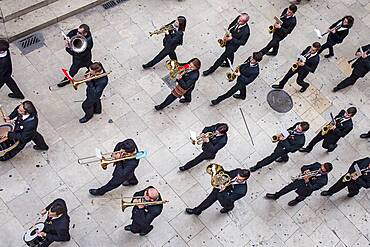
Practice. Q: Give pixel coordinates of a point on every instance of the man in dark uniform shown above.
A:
(354, 182)
(25, 129)
(124, 171)
(314, 177)
(360, 68)
(290, 143)
(226, 196)
(143, 215)
(342, 126)
(246, 74)
(94, 90)
(56, 227)
(211, 146)
(240, 32)
(6, 70)
(337, 32)
(171, 40)
(79, 59)
(312, 58)
(185, 84)
(281, 31)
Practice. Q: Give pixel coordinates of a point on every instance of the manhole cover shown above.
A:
(280, 101)
(30, 43)
(169, 82)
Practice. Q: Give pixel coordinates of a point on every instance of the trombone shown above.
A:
(126, 204)
(107, 158)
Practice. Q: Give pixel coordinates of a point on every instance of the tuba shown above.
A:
(219, 178)
(164, 29)
(78, 43)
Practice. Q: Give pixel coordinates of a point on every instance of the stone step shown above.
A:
(44, 16)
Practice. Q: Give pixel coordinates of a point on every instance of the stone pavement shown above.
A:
(33, 179)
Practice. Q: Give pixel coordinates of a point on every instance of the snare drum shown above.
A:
(5, 144)
(31, 238)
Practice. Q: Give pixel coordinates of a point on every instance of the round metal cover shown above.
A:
(280, 101)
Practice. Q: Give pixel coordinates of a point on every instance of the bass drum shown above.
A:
(5, 144)
(31, 238)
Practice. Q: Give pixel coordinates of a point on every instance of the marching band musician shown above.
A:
(280, 32)
(56, 228)
(337, 32)
(79, 59)
(6, 70)
(360, 68)
(355, 182)
(124, 170)
(226, 196)
(25, 129)
(239, 30)
(314, 177)
(94, 90)
(210, 146)
(171, 40)
(286, 144)
(143, 215)
(304, 68)
(186, 80)
(246, 74)
(342, 126)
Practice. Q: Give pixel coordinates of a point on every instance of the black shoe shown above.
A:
(293, 202)
(351, 194)
(184, 101)
(182, 168)
(328, 55)
(62, 84)
(237, 96)
(145, 66)
(214, 102)
(305, 150)
(38, 148)
(303, 89)
(326, 193)
(127, 183)
(271, 196)
(336, 89)
(207, 72)
(94, 192)
(253, 168)
(12, 95)
(224, 210)
(332, 147)
(364, 136)
(127, 228)
(145, 233)
(270, 53)
(281, 160)
(191, 211)
(158, 107)
(84, 120)
(224, 65)
(277, 86)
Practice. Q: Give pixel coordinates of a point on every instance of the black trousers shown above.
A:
(274, 44)
(38, 140)
(201, 157)
(328, 45)
(293, 186)
(45, 243)
(227, 54)
(166, 51)
(352, 186)
(171, 98)
(77, 65)
(115, 182)
(91, 106)
(348, 81)
(239, 86)
(12, 85)
(138, 228)
(278, 152)
(330, 146)
(300, 79)
(211, 198)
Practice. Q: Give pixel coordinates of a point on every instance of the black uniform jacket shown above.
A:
(341, 129)
(239, 35)
(94, 89)
(338, 36)
(215, 143)
(125, 168)
(144, 216)
(364, 179)
(315, 183)
(57, 229)
(188, 79)
(294, 141)
(248, 72)
(173, 39)
(311, 63)
(362, 65)
(86, 54)
(24, 130)
(5, 67)
(287, 26)
(233, 192)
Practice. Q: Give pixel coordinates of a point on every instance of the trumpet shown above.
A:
(126, 204)
(275, 138)
(222, 42)
(199, 139)
(219, 179)
(106, 159)
(349, 176)
(311, 174)
(164, 29)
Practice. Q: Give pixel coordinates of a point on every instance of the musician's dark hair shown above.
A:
(96, 66)
(182, 22)
(222, 128)
(316, 45)
(245, 173)
(350, 20)
(4, 45)
(85, 27)
(29, 108)
(58, 208)
(129, 145)
(352, 110)
(293, 8)
(328, 166)
(257, 56)
(196, 62)
(304, 125)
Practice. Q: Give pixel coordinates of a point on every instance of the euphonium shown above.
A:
(218, 176)
(78, 43)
